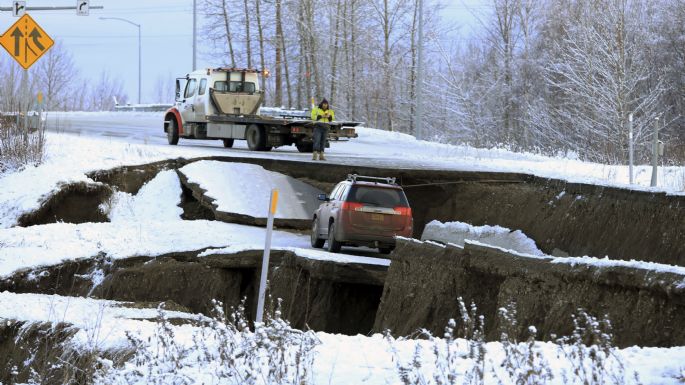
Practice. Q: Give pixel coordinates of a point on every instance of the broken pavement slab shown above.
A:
(239, 192)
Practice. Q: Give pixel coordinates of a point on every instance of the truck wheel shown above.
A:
(256, 138)
(172, 132)
(316, 241)
(228, 143)
(304, 146)
(333, 245)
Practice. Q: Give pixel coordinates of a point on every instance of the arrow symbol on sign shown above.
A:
(35, 35)
(82, 4)
(17, 37)
(17, 7)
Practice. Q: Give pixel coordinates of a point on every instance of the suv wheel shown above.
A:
(333, 244)
(316, 241)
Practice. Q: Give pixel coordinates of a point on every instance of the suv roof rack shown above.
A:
(354, 178)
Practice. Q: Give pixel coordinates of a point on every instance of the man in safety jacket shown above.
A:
(321, 114)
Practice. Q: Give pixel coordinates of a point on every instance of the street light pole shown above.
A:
(140, 60)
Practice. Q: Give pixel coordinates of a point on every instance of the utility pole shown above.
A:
(630, 147)
(194, 35)
(655, 152)
(419, 78)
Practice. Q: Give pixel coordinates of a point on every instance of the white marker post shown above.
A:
(265, 259)
(630, 148)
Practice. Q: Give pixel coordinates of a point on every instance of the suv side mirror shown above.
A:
(323, 197)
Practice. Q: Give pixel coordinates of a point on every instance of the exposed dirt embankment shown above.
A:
(130, 179)
(578, 219)
(73, 203)
(311, 299)
(323, 295)
(646, 308)
(33, 345)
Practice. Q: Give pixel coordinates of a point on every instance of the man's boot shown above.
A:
(321, 157)
(315, 155)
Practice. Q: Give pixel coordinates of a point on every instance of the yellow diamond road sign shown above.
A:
(26, 41)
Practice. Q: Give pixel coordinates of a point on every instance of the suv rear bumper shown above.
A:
(354, 237)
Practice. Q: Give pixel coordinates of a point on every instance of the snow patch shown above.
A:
(459, 232)
(51, 244)
(633, 264)
(157, 200)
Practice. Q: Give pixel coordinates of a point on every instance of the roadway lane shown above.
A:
(386, 151)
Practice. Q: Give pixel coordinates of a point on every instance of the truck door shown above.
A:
(187, 104)
(201, 100)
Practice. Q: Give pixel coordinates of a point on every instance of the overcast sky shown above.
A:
(166, 26)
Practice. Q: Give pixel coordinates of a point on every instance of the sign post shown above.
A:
(265, 259)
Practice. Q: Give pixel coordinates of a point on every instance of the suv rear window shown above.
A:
(377, 196)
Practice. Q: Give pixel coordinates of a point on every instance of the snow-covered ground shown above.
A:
(102, 326)
(148, 224)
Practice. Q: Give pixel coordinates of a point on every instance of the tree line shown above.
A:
(549, 76)
(64, 89)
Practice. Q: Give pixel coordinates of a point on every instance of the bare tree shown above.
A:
(55, 74)
(248, 38)
(105, 91)
(600, 75)
(218, 28)
(164, 88)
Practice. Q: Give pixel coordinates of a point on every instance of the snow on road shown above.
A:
(245, 189)
(384, 149)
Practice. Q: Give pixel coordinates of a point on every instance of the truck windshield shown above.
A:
(234, 86)
(377, 196)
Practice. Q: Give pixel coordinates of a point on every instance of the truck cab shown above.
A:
(224, 103)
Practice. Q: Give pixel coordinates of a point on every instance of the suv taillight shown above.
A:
(404, 211)
(351, 206)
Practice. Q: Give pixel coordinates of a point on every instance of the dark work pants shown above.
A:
(320, 135)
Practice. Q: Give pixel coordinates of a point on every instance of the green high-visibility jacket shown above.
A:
(319, 115)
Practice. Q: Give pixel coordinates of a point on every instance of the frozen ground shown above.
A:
(245, 189)
(83, 142)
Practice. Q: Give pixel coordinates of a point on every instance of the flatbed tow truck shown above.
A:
(224, 104)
